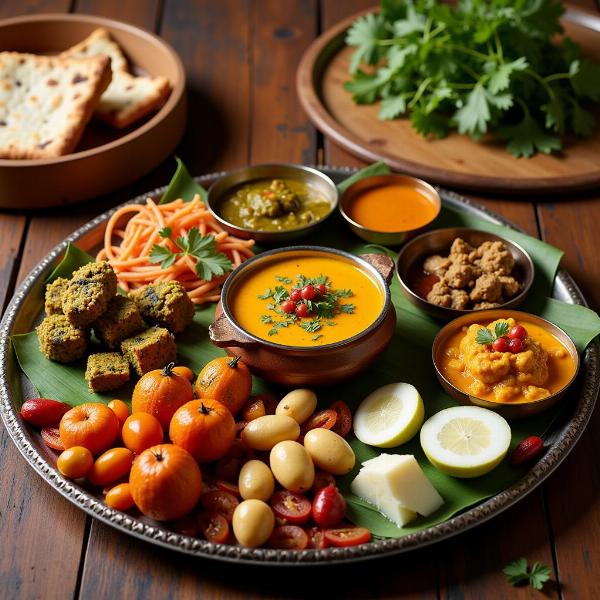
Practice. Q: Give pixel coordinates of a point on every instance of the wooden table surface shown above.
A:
(240, 57)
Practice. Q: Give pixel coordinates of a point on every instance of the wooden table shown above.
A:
(241, 57)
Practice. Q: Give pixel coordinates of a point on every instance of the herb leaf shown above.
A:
(162, 255)
(517, 572)
(501, 329)
(165, 232)
(268, 293)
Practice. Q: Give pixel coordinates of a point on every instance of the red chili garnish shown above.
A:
(526, 450)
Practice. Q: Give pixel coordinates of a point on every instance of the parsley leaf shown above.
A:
(283, 279)
(527, 138)
(280, 294)
(484, 336)
(268, 293)
(586, 79)
(365, 33)
(209, 261)
(165, 232)
(162, 255)
(501, 329)
(517, 572)
(473, 117)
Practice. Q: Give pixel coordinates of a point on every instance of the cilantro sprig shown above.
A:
(518, 572)
(209, 262)
(485, 336)
(482, 67)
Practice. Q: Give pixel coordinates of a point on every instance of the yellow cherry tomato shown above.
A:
(119, 497)
(120, 409)
(111, 466)
(184, 372)
(75, 462)
(140, 431)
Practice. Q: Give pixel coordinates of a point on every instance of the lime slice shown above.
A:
(465, 441)
(390, 416)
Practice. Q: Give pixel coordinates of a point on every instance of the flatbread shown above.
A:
(45, 102)
(128, 98)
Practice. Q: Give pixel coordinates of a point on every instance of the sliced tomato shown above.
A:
(226, 486)
(220, 502)
(316, 538)
(343, 423)
(325, 419)
(288, 537)
(294, 508)
(43, 412)
(322, 479)
(185, 525)
(51, 437)
(348, 536)
(214, 526)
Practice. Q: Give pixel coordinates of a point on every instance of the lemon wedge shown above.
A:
(389, 416)
(465, 441)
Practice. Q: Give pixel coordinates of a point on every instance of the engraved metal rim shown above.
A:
(324, 250)
(158, 535)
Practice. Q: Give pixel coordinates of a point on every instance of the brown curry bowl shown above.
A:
(515, 410)
(105, 159)
(439, 241)
(301, 365)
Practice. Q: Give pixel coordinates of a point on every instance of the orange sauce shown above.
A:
(514, 384)
(392, 208)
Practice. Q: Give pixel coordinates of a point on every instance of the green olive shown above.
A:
(292, 466)
(253, 522)
(263, 433)
(329, 451)
(256, 481)
(298, 404)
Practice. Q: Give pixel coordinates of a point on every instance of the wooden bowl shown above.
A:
(306, 365)
(516, 410)
(105, 158)
(438, 241)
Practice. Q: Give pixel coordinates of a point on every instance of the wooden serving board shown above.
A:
(455, 161)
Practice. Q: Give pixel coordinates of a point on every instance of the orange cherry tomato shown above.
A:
(184, 372)
(120, 409)
(119, 497)
(51, 437)
(214, 526)
(111, 466)
(348, 536)
(92, 425)
(75, 462)
(325, 419)
(140, 431)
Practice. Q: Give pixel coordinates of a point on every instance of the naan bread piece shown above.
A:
(128, 98)
(45, 102)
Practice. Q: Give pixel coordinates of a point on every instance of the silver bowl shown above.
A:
(387, 238)
(221, 189)
(439, 241)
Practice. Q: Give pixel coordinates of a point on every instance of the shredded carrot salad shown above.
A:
(128, 248)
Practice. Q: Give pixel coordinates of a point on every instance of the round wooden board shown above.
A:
(455, 161)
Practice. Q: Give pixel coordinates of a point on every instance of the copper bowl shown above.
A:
(301, 365)
(439, 241)
(387, 238)
(105, 158)
(516, 410)
(313, 178)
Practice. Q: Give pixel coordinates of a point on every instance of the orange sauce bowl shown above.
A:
(511, 409)
(389, 209)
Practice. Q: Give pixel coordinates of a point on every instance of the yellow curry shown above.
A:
(542, 367)
(307, 301)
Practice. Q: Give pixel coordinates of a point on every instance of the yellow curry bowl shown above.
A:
(388, 238)
(562, 360)
(291, 357)
(312, 179)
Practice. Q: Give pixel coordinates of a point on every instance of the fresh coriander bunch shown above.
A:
(495, 67)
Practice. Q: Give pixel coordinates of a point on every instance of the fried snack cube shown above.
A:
(55, 292)
(59, 340)
(121, 320)
(165, 303)
(88, 293)
(150, 349)
(106, 371)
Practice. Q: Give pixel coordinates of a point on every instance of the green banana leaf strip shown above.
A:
(407, 359)
(182, 185)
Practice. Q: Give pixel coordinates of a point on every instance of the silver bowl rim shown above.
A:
(264, 234)
(517, 300)
(557, 451)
